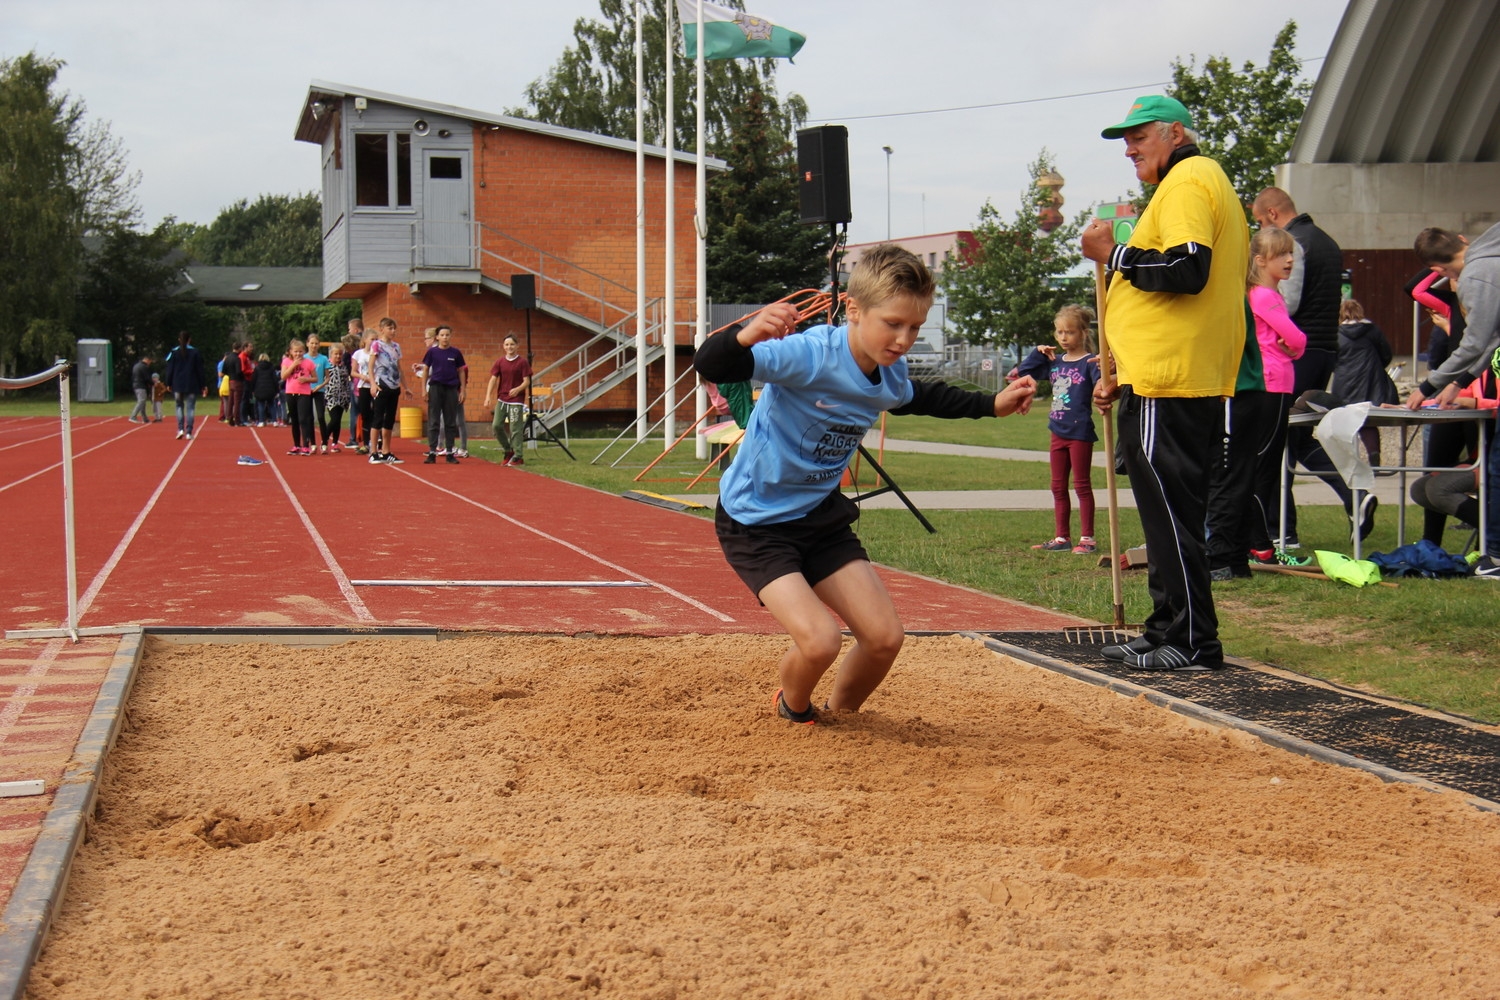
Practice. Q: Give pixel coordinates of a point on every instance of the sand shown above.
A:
(554, 817)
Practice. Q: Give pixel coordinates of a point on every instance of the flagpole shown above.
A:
(700, 230)
(669, 274)
(642, 401)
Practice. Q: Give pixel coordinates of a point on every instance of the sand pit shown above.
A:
(623, 818)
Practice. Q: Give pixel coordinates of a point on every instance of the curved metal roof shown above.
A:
(1407, 81)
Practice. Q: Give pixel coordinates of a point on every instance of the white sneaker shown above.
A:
(181, 435)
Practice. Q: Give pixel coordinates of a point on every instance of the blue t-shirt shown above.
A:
(812, 414)
(320, 360)
(443, 364)
(1072, 415)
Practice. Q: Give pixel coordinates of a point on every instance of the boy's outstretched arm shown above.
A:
(939, 399)
(725, 357)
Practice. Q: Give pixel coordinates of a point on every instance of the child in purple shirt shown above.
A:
(1073, 369)
(447, 379)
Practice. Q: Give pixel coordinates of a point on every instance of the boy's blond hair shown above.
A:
(887, 271)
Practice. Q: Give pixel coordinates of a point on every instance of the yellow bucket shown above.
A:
(411, 422)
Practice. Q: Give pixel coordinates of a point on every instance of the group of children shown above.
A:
(361, 377)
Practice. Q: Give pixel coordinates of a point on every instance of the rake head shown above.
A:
(1099, 635)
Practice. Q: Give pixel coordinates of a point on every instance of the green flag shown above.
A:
(733, 34)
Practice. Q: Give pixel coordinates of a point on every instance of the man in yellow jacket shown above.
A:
(1176, 327)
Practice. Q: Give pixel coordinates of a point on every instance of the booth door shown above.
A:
(447, 209)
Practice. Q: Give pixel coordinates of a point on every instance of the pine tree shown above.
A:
(757, 250)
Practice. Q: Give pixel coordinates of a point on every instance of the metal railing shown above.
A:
(604, 361)
(467, 246)
(562, 287)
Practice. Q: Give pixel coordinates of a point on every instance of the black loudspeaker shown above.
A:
(823, 173)
(523, 291)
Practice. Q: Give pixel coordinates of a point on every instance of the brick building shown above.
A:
(429, 210)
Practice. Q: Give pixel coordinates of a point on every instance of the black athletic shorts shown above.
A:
(385, 405)
(817, 544)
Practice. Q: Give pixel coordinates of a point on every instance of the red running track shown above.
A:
(175, 533)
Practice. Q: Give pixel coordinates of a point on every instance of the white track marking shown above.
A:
(16, 704)
(574, 548)
(102, 576)
(22, 444)
(25, 425)
(76, 455)
(501, 583)
(340, 577)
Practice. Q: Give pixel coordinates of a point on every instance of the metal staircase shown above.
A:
(574, 294)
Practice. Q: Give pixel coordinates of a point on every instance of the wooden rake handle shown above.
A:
(1106, 367)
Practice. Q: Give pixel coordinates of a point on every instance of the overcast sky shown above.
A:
(205, 94)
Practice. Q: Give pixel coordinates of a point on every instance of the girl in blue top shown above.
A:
(1073, 370)
(782, 522)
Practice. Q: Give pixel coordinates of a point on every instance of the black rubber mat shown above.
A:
(1441, 750)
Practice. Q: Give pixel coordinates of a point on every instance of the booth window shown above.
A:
(382, 169)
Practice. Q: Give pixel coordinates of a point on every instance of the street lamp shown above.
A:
(887, 192)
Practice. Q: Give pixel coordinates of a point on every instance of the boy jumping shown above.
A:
(782, 522)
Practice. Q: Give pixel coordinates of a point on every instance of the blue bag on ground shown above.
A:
(1420, 559)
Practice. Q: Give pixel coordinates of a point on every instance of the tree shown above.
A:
(126, 292)
(758, 251)
(61, 178)
(40, 214)
(276, 230)
(592, 85)
(1006, 289)
(101, 174)
(1246, 120)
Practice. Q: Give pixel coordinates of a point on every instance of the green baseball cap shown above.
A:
(1151, 108)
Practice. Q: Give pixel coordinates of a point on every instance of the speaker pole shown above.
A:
(833, 270)
(533, 422)
(523, 296)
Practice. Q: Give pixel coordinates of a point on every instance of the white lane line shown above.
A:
(574, 548)
(76, 455)
(499, 583)
(25, 425)
(22, 444)
(356, 604)
(21, 695)
(102, 576)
